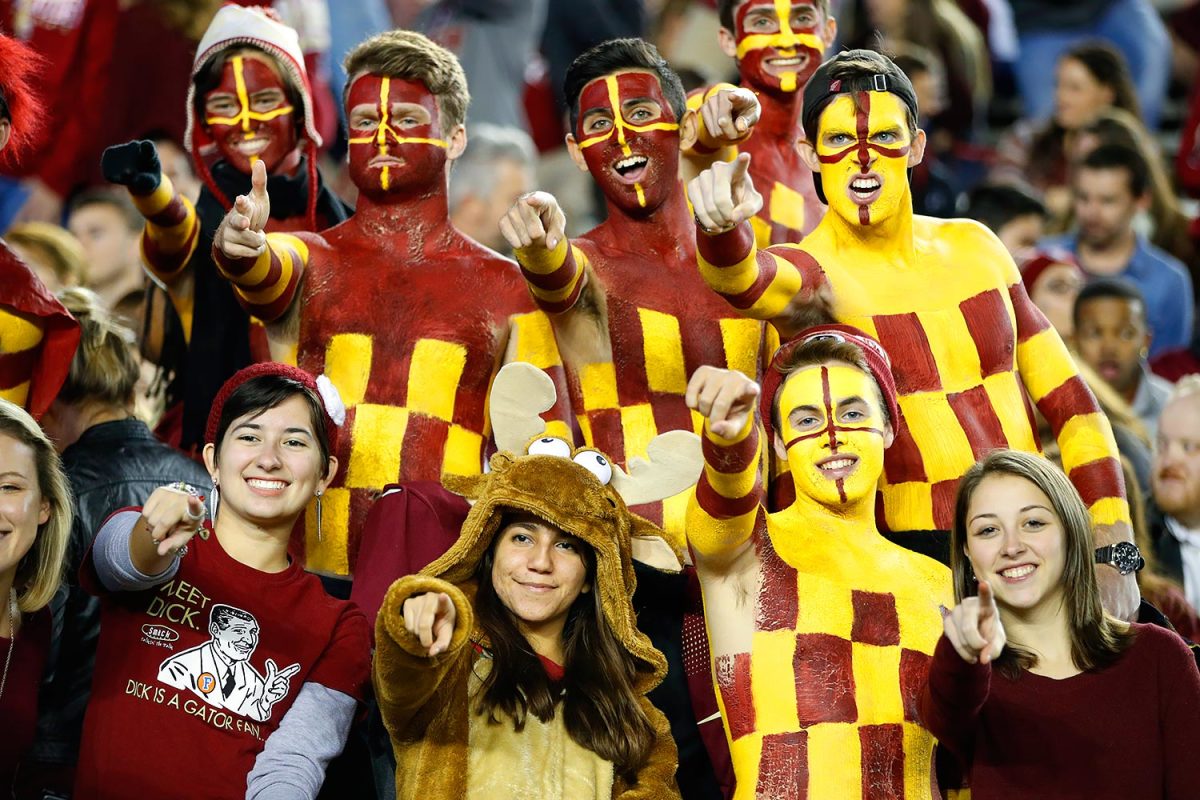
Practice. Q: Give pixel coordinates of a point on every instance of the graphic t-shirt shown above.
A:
(193, 675)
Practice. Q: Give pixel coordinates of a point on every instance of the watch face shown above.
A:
(1126, 557)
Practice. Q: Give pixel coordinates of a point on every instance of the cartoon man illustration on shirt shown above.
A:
(220, 673)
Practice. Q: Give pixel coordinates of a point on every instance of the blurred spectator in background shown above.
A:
(177, 165)
(1111, 186)
(494, 41)
(496, 168)
(109, 228)
(112, 461)
(574, 26)
(1169, 226)
(1053, 279)
(1112, 335)
(935, 190)
(52, 252)
(1174, 515)
(1047, 29)
(1089, 78)
(1013, 213)
(943, 29)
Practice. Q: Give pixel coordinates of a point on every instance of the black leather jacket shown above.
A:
(114, 465)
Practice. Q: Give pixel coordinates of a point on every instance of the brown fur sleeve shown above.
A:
(656, 779)
(405, 678)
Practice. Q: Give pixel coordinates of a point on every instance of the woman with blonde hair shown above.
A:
(35, 522)
(1032, 681)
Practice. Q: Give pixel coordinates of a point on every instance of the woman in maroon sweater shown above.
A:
(1033, 687)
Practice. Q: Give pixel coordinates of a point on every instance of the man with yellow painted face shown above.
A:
(407, 317)
(778, 45)
(943, 297)
(820, 629)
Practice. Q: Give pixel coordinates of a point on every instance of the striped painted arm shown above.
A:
(266, 286)
(706, 146)
(555, 277)
(721, 514)
(171, 233)
(1089, 452)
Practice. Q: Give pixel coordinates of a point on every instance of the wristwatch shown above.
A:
(1125, 556)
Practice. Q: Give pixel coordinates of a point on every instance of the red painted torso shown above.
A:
(791, 208)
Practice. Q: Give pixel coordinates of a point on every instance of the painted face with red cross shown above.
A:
(834, 430)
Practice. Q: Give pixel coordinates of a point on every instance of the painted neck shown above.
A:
(844, 525)
(891, 239)
(665, 229)
(396, 217)
(780, 115)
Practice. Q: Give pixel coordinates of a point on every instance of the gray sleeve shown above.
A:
(110, 556)
(292, 764)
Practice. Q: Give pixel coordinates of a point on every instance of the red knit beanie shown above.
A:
(331, 402)
(877, 362)
(1042, 260)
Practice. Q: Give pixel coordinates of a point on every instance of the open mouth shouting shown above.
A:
(631, 168)
(865, 189)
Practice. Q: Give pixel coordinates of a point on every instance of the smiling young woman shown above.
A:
(216, 647)
(1032, 680)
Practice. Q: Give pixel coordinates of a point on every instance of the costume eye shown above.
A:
(596, 464)
(550, 446)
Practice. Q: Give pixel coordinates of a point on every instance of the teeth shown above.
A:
(258, 483)
(252, 146)
(784, 62)
(865, 185)
(631, 162)
(841, 463)
(1017, 572)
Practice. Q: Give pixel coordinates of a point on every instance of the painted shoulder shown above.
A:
(970, 239)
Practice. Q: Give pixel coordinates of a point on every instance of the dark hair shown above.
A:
(133, 218)
(1118, 156)
(817, 351)
(222, 615)
(1108, 288)
(997, 204)
(209, 77)
(725, 9)
(855, 71)
(264, 392)
(616, 55)
(1096, 640)
(1106, 64)
(413, 56)
(600, 706)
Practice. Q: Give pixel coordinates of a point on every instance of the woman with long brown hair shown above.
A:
(513, 666)
(1032, 682)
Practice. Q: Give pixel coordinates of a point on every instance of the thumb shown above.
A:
(258, 180)
(272, 668)
(195, 507)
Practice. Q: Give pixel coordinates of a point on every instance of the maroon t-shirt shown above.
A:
(193, 675)
(1130, 730)
(19, 703)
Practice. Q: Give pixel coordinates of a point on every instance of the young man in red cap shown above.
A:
(820, 629)
(37, 335)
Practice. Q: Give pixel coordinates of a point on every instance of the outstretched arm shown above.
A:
(728, 495)
(554, 269)
(264, 268)
(718, 119)
(779, 284)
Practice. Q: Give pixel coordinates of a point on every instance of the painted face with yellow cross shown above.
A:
(248, 113)
(779, 45)
(864, 149)
(832, 424)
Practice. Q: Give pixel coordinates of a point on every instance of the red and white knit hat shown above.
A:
(235, 26)
(331, 400)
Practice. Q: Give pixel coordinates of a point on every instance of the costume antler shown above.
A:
(520, 393)
(674, 464)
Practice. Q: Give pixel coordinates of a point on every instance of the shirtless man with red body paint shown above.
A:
(778, 45)
(943, 297)
(409, 318)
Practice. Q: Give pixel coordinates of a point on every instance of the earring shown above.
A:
(214, 500)
(319, 537)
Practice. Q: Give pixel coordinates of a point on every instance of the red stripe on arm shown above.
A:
(561, 277)
(166, 264)
(730, 459)
(766, 274)
(1098, 480)
(725, 249)
(978, 419)
(992, 331)
(269, 312)
(174, 213)
(234, 268)
(1068, 400)
(1030, 319)
(718, 506)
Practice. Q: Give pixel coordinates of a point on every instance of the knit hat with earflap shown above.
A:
(331, 402)
(239, 26)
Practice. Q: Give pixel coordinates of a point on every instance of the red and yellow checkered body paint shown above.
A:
(967, 348)
(846, 619)
(633, 338)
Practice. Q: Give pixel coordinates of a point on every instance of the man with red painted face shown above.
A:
(249, 101)
(943, 297)
(407, 316)
(778, 45)
(37, 335)
(631, 317)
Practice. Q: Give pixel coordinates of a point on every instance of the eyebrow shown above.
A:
(13, 473)
(255, 426)
(808, 409)
(1029, 507)
(845, 401)
(634, 101)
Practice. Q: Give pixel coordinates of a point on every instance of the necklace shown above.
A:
(12, 637)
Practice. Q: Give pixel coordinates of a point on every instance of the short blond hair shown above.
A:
(1186, 386)
(40, 571)
(410, 55)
